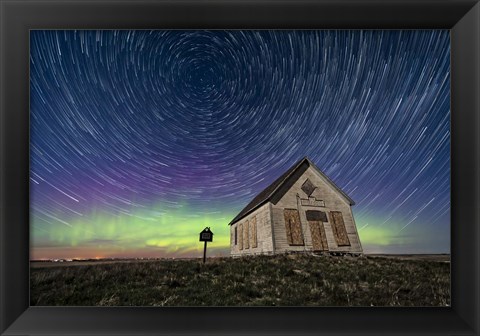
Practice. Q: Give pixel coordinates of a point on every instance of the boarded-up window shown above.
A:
(253, 232)
(338, 228)
(245, 235)
(236, 235)
(240, 237)
(293, 227)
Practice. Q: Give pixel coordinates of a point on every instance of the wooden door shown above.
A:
(319, 238)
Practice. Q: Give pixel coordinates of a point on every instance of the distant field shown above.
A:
(282, 280)
(429, 257)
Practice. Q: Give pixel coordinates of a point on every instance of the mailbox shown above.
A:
(206, 235)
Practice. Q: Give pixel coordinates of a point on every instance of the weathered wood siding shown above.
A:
(258, 222)
(333, 201)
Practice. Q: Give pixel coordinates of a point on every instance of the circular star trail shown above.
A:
(139, 139)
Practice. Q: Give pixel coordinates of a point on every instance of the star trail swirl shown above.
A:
(140, 139)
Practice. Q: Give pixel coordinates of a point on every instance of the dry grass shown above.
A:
(283, 280)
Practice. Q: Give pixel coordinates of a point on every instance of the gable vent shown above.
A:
(308, 187)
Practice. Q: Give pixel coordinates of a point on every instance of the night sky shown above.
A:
(140, 139)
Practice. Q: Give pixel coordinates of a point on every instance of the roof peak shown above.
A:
(276, 188)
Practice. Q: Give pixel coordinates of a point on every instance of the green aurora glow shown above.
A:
(134, 235)
(175, 234)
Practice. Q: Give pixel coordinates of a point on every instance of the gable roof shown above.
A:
(275, 191)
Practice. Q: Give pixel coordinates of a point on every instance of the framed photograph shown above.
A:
(262, 168)
(140, 139)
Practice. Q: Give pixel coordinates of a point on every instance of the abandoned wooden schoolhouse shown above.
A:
(301, 211)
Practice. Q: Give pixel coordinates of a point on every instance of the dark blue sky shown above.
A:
(148, 130)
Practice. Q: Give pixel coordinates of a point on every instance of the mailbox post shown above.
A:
(206, 236)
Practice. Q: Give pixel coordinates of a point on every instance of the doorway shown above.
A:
(316, 221)
(319, 238)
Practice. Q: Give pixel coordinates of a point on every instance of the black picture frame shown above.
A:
(17, 17)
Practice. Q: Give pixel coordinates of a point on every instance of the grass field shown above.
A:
(282, 280)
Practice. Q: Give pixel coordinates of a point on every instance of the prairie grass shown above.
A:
(281, 280)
